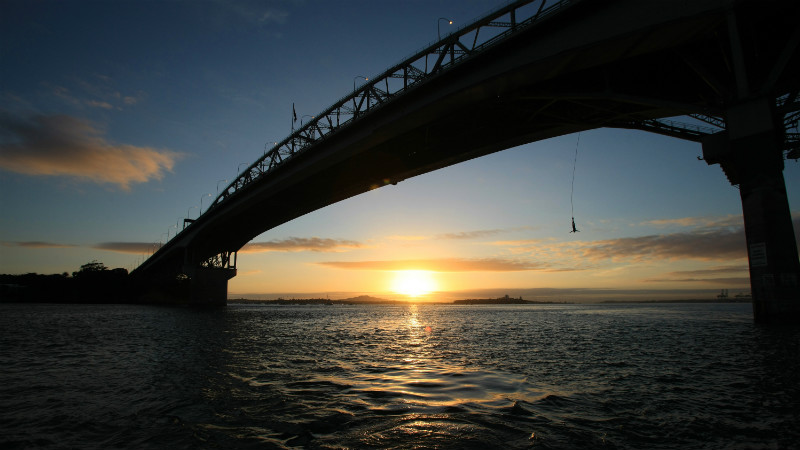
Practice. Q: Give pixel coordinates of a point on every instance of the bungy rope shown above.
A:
(572, 193)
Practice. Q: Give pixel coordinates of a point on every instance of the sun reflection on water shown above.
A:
(409, 365)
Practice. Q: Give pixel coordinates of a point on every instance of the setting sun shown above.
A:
(413, 282)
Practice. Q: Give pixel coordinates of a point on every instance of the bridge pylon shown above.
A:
(209, 286)
(208, 281)
(188, 282)
(751, 155)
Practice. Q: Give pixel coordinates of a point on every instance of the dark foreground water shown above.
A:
(572, 376)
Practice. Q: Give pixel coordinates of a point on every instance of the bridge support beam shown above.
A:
(209, 286)
(751, 157)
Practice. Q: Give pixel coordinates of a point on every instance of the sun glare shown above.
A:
(413, 283)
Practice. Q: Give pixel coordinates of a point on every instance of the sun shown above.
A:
(413, 283)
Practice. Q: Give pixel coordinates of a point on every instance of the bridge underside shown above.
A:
(590, 67)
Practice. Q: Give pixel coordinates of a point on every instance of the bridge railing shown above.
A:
(423, 65)
(668, 127)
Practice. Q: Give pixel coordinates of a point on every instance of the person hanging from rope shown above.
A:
(572, 193)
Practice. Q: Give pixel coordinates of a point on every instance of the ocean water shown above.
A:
(647, 376)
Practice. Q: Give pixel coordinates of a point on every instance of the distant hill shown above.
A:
(498, 301)
(360, 300)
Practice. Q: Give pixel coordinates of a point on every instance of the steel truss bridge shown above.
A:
(725, 73)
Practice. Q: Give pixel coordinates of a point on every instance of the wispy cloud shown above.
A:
(710, 271)
(63, 145)
(132, 100)
(703, 244)
(255, 11)
(708, 239)
(273, 15)
(441, 265)
(738, 281)
(725, 221)
(137, 248)
(459, 235)
(294, 244)
(98, 92)
(37, 244)
(99, 104)
(469, 234)
(683, 221)
(398, 237)
(517, 243)
(722, 240)
(709, 275)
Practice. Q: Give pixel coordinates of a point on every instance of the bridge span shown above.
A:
(532, 70)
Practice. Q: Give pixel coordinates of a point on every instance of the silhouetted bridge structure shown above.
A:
(529, 71)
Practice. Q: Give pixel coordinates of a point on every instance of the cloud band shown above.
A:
(63, 145)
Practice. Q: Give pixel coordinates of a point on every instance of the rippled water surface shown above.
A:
(572, 376)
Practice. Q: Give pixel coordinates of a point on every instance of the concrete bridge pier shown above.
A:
(751, 156)
(209, 286)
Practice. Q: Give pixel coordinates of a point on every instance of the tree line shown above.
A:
(92, 283)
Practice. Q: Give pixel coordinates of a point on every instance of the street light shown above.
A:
(239, 169)
(187, 212)
(357, 77)
(449, 22)
(201, 204)
(218, 182)
(301, 119)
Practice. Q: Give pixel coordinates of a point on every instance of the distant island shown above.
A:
(503, 301)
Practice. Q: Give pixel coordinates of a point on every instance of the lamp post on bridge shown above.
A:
(357, 77)
(171, 227)
(218, 182)
(438, 32)
(188, 219)
(201, 204)
(301, 119)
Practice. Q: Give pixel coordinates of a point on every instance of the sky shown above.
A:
(118, 119)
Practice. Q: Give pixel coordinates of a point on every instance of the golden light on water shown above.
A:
(413, 283)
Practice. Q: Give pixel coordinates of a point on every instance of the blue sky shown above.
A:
(118, 118)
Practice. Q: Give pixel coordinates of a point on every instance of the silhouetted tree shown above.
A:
(90, 267)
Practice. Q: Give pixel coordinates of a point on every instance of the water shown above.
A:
(385, 377)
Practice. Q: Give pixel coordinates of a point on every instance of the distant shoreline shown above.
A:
(690, 300)
(360, 300)
(368, 300)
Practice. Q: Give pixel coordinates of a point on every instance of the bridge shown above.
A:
(725, 73)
